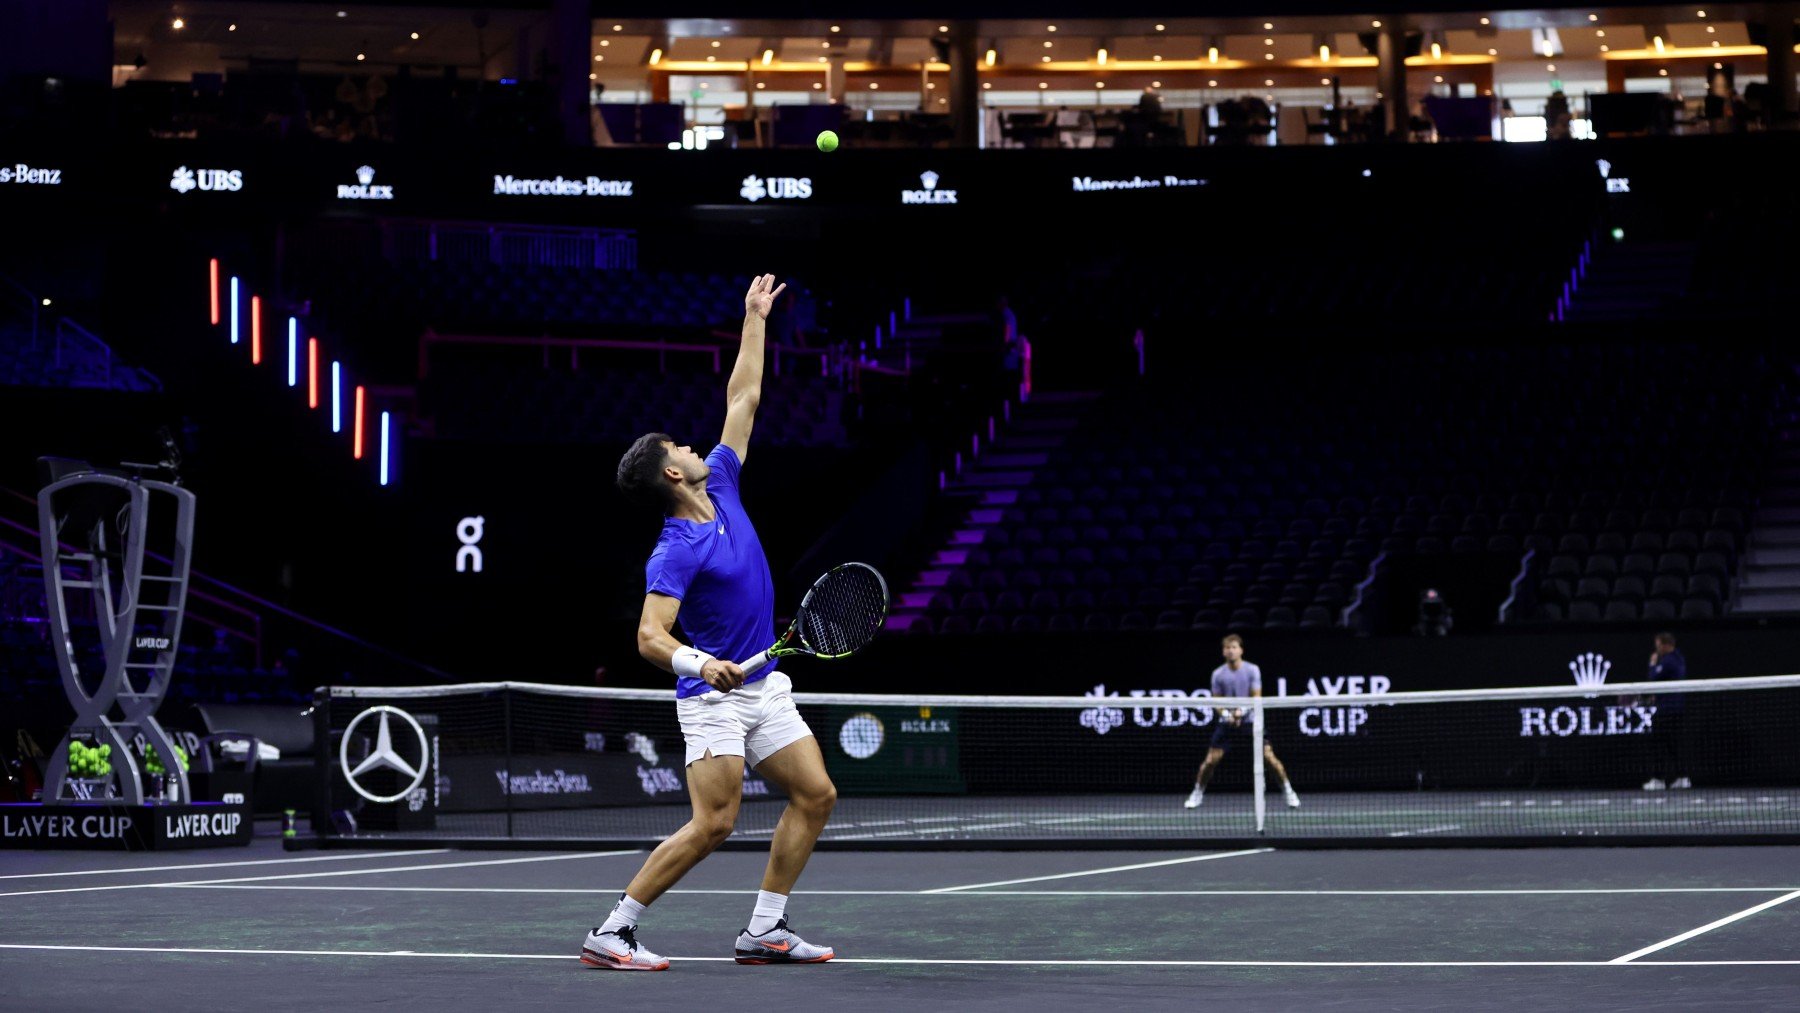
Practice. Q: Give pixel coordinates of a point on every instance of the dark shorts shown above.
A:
(1225, 736)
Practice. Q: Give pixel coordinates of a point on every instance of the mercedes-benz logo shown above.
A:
(383, 755)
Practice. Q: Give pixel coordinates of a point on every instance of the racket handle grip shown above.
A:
(751, 666)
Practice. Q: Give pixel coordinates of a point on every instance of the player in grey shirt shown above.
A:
(1236, 678)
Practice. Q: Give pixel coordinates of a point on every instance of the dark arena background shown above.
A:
(1445, 356)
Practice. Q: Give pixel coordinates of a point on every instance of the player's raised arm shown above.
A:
(744, 390)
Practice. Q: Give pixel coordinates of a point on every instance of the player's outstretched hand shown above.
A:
(761, 297)
(723, 676)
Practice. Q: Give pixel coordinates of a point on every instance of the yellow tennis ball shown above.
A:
(828, 140)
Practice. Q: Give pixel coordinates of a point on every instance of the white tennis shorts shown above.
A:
(753, 721)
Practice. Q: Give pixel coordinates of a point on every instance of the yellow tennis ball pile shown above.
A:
(88, 761)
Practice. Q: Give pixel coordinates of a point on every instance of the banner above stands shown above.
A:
(605, 186)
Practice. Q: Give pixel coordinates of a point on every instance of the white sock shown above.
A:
(769, 909)
(624, 916)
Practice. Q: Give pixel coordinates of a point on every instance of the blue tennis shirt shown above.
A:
(719, 574)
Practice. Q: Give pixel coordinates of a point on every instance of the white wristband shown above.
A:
(688, 661)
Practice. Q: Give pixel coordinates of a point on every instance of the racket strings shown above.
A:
(844, 612)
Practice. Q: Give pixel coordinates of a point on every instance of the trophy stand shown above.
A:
(96, 526)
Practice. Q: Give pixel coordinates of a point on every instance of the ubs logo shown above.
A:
(755, 188)
(186, 179)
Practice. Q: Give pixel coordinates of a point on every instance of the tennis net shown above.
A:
(512, 763)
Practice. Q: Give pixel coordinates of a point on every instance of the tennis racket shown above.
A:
(840, 614)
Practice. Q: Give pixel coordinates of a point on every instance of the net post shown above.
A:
(506, 721)
(1258, 777)
(321, 716)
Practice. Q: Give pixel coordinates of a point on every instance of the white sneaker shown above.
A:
(1681, 782)
(1293, 799)
(619, 951)
(1654, 784)
(1194, 798)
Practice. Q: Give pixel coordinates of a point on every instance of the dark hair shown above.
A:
(1232, 638)
(640, 470)
(1665, 637)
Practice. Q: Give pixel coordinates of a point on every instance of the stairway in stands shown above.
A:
(1769, 576)
(989, 483)
(1630, 281)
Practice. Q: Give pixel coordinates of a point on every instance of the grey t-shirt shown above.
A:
(1225, 682)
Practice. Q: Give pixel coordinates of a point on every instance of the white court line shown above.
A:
(1702, 930)
(1098, 872)
(582, 891)
(221, 865)
(321, 875)
(91, 951)
(1428, 830)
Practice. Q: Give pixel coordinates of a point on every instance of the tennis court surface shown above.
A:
(1598, 928)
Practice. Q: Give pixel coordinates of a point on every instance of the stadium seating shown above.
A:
(1623, 474)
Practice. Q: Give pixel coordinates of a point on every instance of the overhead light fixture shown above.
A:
(343, 14)
(1663, 73)
(817, 86)
(1657, 41)
(1493, 52)
(712, 59)
(1043, 84)
(178, 24)
(1606, 49)
(360, 57)
(1212, 84)
(836, 28)
(1700, 14)
(760, 86)
(1159, 27)
(1100, 57)
(1487, 21)
(987, 86)
(655, 56)
(1268, 56)
(768, 57)
(1156, 58)
(1599, 33)
(1437, 51)
(1324, 54)
(618, 28)
(415, 36)
(1268, 26)
(1050, 27)
(1156, 84)
(1269, 83)
(1048, 43)
(874, 85)
(992, 57)
(943, 28)
(1709, 30)
(1374, 24)
(715, 43)
(1268, 42)
(1212, 54)
(599, 59)
(1046, 59)
(1099, 84)
(1438, 79)
(1593, 17)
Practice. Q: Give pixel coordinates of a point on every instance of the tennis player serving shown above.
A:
(708, 570)
(1235, 678)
